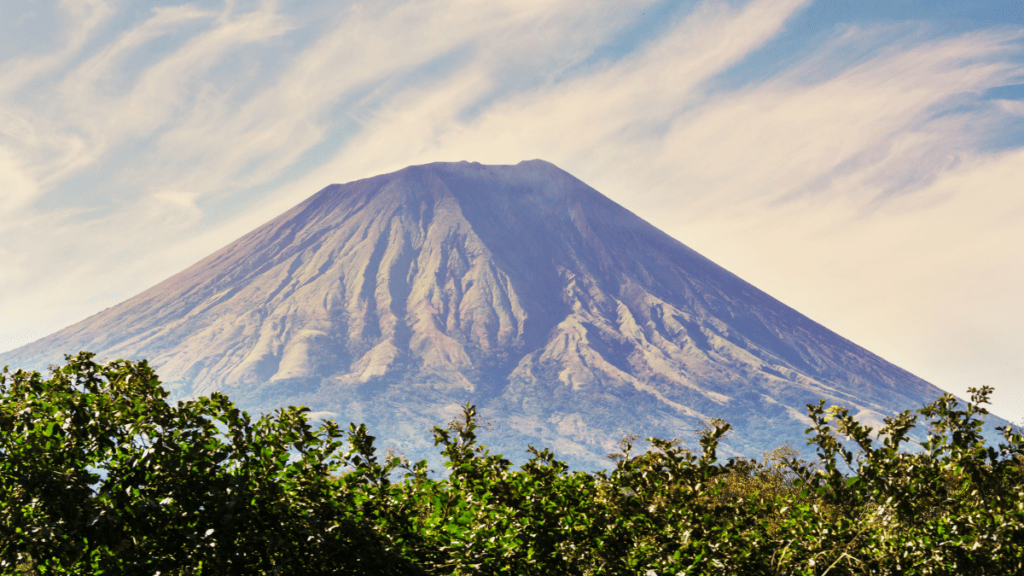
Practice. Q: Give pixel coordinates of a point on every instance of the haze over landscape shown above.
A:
(860, 164)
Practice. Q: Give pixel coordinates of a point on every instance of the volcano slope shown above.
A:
(567, 319)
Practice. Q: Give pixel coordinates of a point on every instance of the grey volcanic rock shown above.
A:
(569, 320)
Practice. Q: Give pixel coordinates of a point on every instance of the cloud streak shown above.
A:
(86, 16)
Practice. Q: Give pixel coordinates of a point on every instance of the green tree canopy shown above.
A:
(99, 474)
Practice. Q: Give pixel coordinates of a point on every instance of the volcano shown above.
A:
(568, 320)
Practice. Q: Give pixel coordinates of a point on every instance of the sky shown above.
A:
(863, 162)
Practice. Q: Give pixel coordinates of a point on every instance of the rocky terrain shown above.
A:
(569, 320)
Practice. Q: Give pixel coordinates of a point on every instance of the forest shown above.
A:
(101, 474)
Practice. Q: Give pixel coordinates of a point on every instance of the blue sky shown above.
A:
(861, 161)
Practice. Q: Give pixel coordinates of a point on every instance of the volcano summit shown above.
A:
(567, 319)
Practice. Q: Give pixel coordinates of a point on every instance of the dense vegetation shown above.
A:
(100, 475)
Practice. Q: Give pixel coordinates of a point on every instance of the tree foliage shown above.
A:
(99, 474)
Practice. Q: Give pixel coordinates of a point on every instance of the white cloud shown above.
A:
(253, 142)
(1015, 107)
(62, 131)
(84, 17)
(16, 187)
(163, 90)
(587, 122)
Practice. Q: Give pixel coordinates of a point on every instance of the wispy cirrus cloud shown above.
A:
(95, 105)
(361, 63)
(83, 16)
(573, 120)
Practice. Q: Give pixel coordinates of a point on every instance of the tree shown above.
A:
(99, 473)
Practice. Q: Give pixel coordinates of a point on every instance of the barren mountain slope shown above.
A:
(568, 319)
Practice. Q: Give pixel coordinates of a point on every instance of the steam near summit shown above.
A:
(568, 320)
